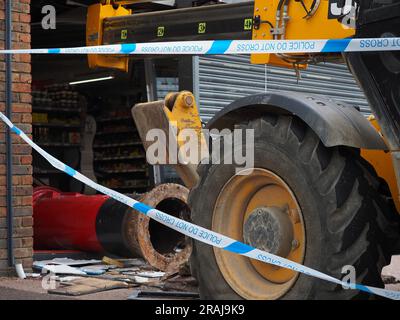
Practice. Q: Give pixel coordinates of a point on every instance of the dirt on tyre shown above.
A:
(335, 215)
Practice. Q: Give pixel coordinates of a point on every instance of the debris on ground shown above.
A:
(162, 295)
(67, 279)
(20, 271)
(82, 286)
(33, 275)
(85, 277)
(151, 274)
(114, 262)
(64, 261)
(93, 271)
(181, 283)
(62, 269)
(141, 280)
(137, 262)
(391, 273)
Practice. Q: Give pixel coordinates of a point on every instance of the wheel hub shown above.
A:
(269, 229)
(259, 208)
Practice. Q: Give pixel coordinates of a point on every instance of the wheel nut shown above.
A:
(189, 101)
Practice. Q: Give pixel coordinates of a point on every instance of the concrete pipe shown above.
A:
(164, 248)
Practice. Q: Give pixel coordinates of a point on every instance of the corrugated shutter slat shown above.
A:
(223, 79)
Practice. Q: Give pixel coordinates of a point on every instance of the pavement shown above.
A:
(31, 289)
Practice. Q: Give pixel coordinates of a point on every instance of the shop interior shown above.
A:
(83, 117)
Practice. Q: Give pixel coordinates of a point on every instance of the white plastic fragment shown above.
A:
(150, 274)
(20, 271)
(393, 270)
(141, 280)
(62, 269)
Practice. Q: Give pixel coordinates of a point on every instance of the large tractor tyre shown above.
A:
(314, 205)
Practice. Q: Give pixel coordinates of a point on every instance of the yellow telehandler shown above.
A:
(324, 190)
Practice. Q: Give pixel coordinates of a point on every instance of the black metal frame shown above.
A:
(378, 72)
(222, 21)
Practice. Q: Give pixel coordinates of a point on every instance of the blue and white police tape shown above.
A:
(196, 232)
(228, 47)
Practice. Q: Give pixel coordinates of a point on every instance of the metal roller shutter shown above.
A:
(219, 80)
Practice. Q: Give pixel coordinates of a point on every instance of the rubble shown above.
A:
(162, 256)
(64, 261)
(93, 271)
(84, 277)
(82, 286)
(391, 273)
(151, 274)
(114, 262)
(61, 269)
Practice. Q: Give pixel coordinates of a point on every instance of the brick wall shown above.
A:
(22, 158)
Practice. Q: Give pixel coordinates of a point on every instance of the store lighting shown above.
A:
(91, 80)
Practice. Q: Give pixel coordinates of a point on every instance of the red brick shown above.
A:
(26, 180)
(22, 107)
(27, 221)
(22, 154)
(26, 159)
(23, 17)
(23, 211)
(23, 253)
(23, 232)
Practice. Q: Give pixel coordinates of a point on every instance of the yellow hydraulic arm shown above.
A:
(94, 31)
(263, 20)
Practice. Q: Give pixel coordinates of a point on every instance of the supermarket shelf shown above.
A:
(59, 145)
(46, 172)
(120, 158)
(115, 119)
(112, 145)
(53, 109)
(56, 125)
(123, 171)
(115, 132)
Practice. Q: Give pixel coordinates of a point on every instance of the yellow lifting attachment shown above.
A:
(94, 35)
(175, 115)
(295, 20)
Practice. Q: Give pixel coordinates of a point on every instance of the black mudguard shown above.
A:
(336, 123)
